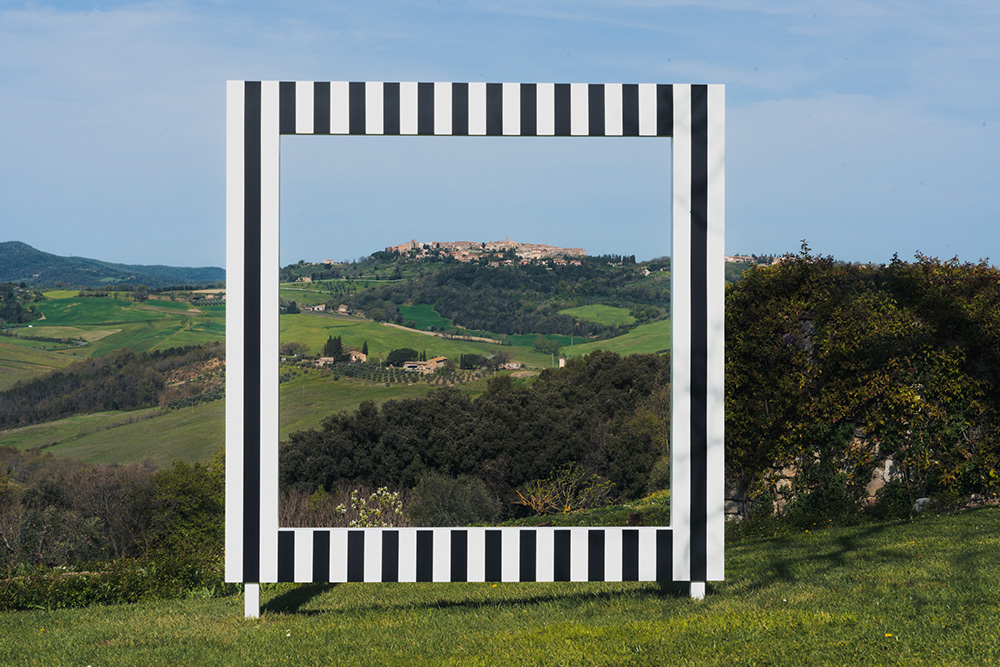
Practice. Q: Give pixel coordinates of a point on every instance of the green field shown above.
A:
(645, 338)
(925, 591)
(425, 317)
(314, 329)
(194, 433)
(601, 314)
(304, 296)
(25, 359)
(112, 324)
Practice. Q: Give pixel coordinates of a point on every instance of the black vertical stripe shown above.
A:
(595, 555)
(664, 110)
(562, 104)
(459, 555)
(460, 109)
(355, 555)
(630, 555)
(494, 555)
(390, 108)
(390, 555)
(356, 107)
(595, 104)
(321, 107)
(560, 556)
(494, 109)
(529, 110)
(664, 556)
(286, 556)
(699, 331)
(425, 555)
(630, 110)
(527, 551)
(251, 329)
(425, 108)
(321, 556)
(286, 107)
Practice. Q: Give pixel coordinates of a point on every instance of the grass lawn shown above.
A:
(600, 314)
(925, 591)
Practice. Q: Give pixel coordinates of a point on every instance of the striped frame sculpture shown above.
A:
(689, 550)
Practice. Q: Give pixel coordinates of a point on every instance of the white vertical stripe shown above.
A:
(408, 107)
(647, 109)
(544, 554)
(304, 107)
(477, 108)
(680, 347)
(545, 96)
(251, 601)
(373, 554)
(373, 107)
(303, 554)
(407, 554)
(340, 107)
(235, 315)
(716, 329)
(442, 108)
(512, 109)
(442, 554)
(647, 554)
(338, 555)
(579, 109)
(510, 550)
(269, 178)
(578, 554)
(613, 554)
(477, 555)
(613, 109)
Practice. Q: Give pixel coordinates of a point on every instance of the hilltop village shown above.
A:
(470, 251)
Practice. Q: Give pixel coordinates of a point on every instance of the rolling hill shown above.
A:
(19, 262)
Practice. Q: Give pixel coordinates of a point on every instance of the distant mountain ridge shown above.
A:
(19, 262)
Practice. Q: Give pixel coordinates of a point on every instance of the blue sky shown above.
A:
(866, 128)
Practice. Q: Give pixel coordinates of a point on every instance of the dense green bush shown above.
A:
(834, 367)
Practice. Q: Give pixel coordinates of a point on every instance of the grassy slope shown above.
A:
(112, 324)
(924, 591)
(313, 331)
(424, 316)
(654, 337)
(194, 433)
(600, 314)
(26, 359)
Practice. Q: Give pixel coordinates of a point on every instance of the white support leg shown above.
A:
(251, 600)
(697, 590)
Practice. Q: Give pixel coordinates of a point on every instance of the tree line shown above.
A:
(17, 304)
(607, 412)
(120, 380)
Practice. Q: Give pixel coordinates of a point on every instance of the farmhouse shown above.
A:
(428, 366)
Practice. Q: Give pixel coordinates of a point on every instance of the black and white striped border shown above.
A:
(691, 549)
(474, 554)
